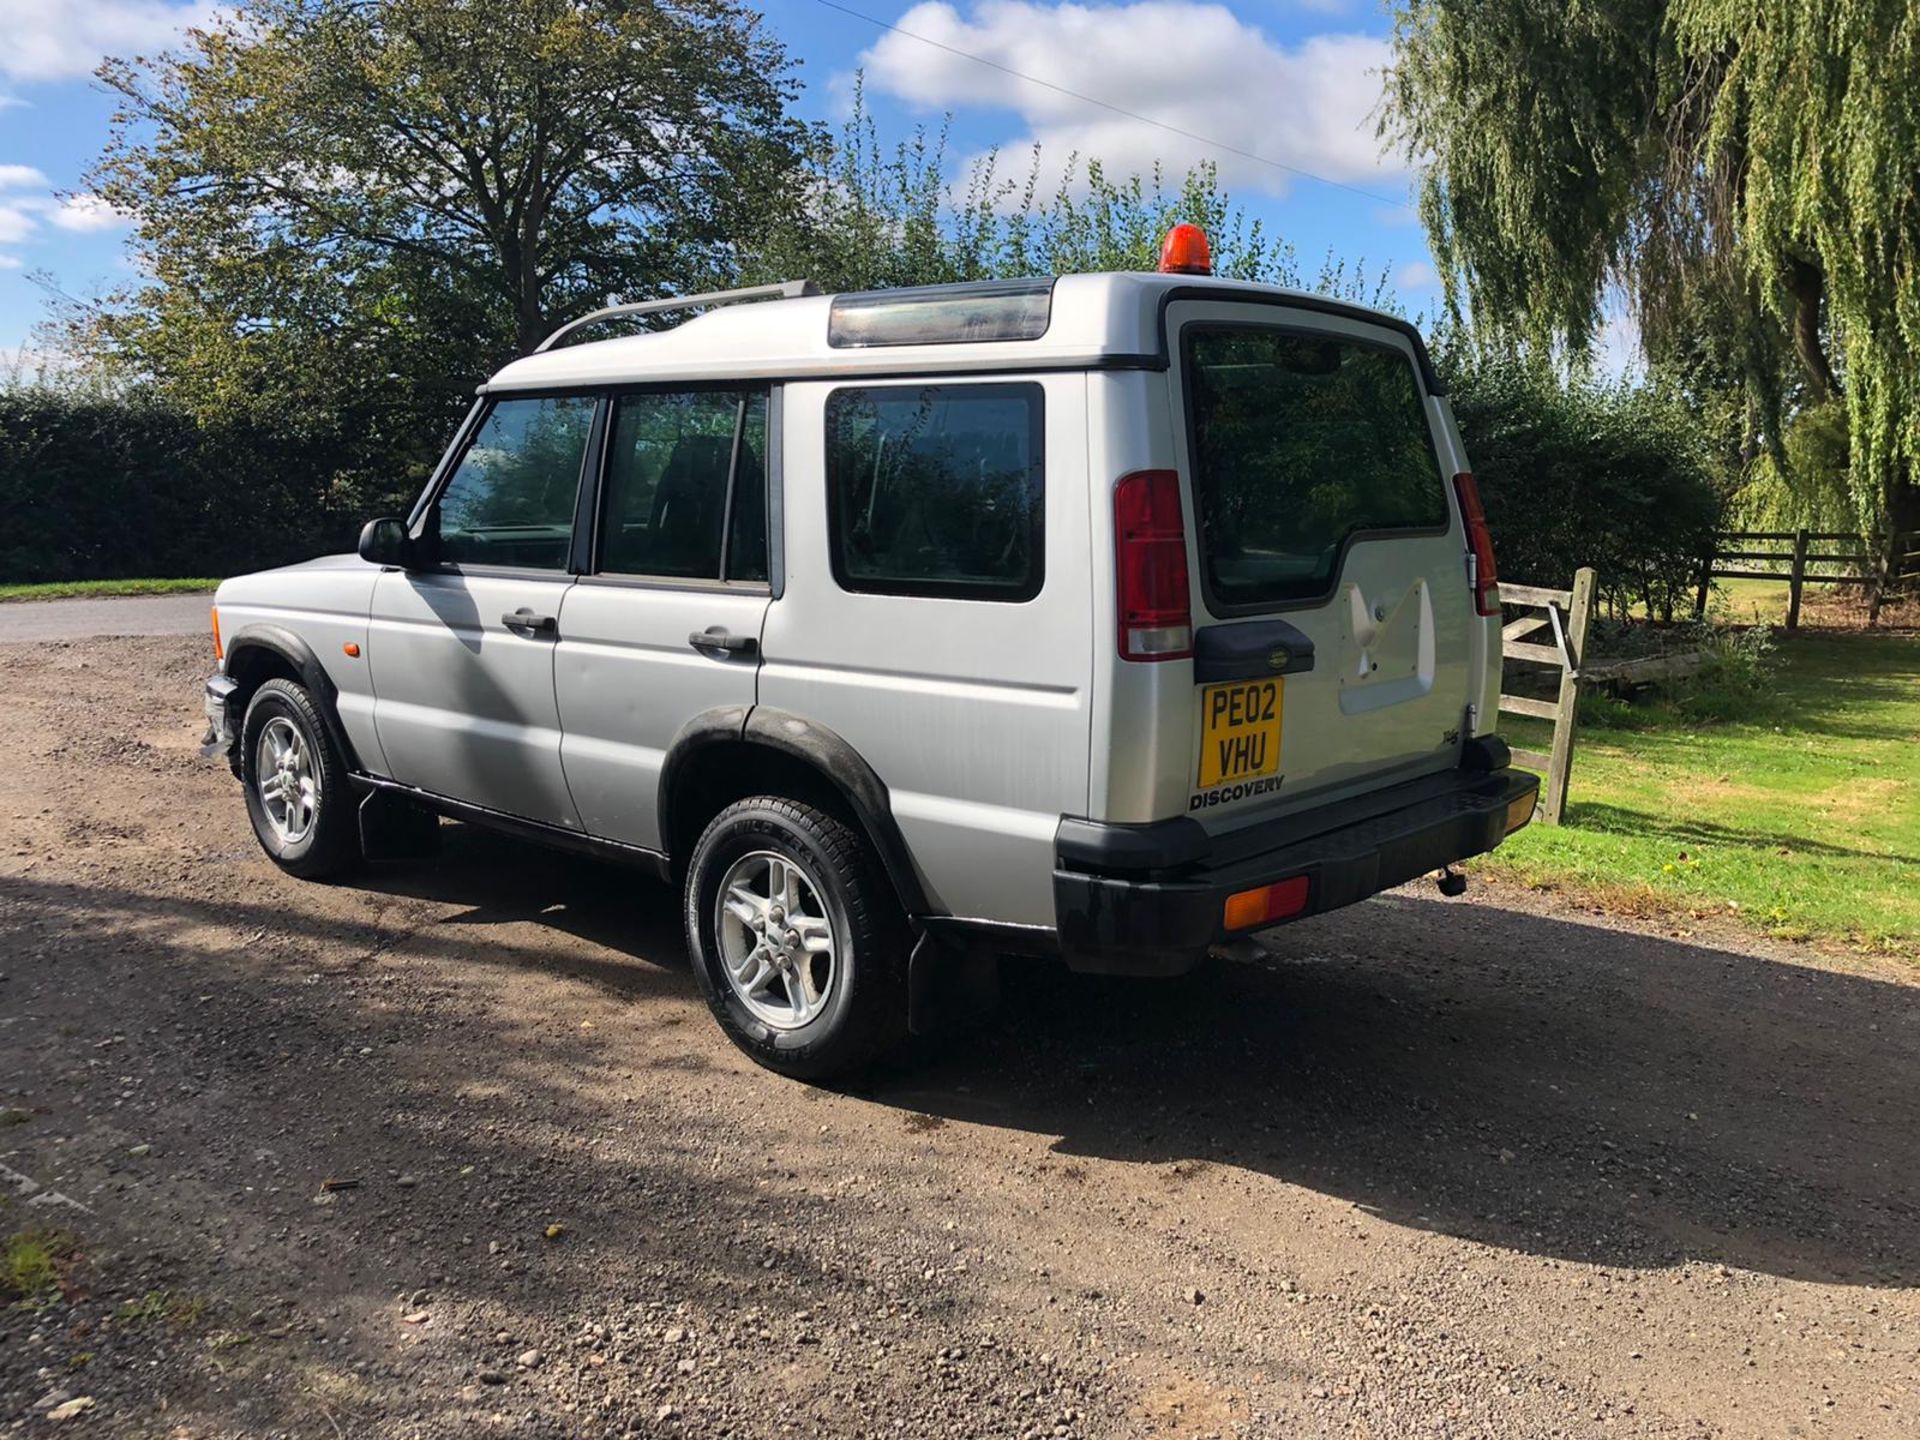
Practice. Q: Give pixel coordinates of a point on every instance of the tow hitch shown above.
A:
(1450, 881)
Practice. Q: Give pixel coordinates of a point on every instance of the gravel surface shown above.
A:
(82, 619)
(456, 1149)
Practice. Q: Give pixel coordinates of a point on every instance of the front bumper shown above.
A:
(1151, 899)
(220, 737)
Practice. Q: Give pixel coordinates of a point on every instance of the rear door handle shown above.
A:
(525, 619)
(718, 638)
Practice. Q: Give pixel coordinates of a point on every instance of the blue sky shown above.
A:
(1293, 81)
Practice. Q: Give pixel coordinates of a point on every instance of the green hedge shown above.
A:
(106, 487)
(1616, 476)
(101, 488)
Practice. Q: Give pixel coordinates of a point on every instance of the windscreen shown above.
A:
(1301, 440)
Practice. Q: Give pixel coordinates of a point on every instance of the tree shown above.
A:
(867, 217)
(1750, 160)
(349, 209)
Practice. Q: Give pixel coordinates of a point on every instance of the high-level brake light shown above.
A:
(1486, 575)
(1155, 617)
(1185, 252)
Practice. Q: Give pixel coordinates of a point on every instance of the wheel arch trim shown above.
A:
(284, 643)
(821, 750)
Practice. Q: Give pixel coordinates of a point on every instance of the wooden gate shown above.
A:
(1564, 616)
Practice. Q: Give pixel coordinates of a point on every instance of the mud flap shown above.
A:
(949, 986)
(392, 827)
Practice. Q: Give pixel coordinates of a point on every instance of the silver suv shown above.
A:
(1109, 617)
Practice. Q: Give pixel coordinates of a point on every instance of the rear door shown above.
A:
(936, 614)
(1333, 618)
(666, 625)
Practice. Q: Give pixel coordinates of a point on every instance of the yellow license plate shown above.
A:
(1240, 731)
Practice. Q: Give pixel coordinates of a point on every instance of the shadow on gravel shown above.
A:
(502, 881)
(1548, 1087)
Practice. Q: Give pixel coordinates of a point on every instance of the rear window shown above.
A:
(1301, 441)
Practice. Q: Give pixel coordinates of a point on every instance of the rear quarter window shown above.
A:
(1301, 441)
(937, 490)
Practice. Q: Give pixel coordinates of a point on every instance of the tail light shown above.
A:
(219, 650)
(1486, 575)
(1150, 561)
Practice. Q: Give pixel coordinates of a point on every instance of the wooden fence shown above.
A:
(1879, 563)
(1564, 614)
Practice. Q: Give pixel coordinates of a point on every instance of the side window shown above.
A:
(511, 500)
(675, 462)
(937, 490)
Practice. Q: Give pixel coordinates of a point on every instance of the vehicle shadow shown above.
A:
(1539, 1084)
(1536, 1084)
(501, 881)
(1545, 1086)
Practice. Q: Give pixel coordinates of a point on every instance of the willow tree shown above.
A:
(1747, 172)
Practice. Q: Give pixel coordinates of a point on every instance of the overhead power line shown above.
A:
(1095, 100)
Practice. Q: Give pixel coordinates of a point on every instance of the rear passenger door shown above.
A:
(665, 625)
(936, 615)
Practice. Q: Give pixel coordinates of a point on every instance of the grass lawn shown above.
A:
(1804, 819)
(71, 589)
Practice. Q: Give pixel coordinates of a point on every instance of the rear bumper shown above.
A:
(1151, 899)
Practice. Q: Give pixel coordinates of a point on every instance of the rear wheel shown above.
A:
(296, 784)
(797, 940)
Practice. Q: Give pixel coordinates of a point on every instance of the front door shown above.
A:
(665, 627)
(461, 649)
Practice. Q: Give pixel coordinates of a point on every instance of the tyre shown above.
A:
(797, 940)
(296, 784)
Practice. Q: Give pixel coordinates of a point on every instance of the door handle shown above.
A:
(525, 619)
(718, 638)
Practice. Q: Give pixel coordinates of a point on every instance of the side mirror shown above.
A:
(386, 542)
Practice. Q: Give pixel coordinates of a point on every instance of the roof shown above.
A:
(1095, 320)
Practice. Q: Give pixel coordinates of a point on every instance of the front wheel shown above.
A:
(797, 940)
(296, 784)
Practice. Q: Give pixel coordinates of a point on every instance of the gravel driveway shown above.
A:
(455, 1149)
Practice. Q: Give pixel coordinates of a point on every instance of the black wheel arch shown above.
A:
(259, 652)
(720, 756)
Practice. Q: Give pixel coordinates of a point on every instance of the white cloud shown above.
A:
(65, 39)
(20, 177)
(1418, 275)
(16, 224)
(88, 213)
(1194, 67)
(9, 262)
(11, 102)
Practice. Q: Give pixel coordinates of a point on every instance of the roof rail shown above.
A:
(784, 290)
